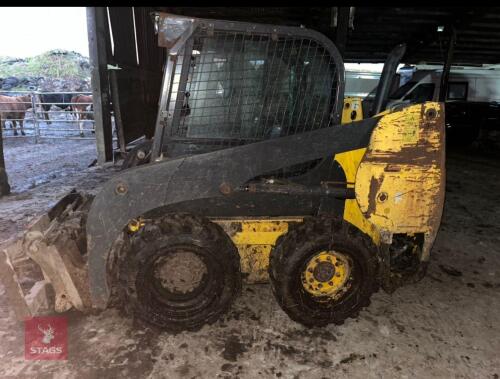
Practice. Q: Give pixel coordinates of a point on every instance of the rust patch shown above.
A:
(372, 201)
(405, 158)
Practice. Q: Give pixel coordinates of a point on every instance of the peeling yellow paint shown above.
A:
(349, 161)
(254, 239)
(399, 182)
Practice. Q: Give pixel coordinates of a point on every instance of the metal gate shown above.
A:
(46, 115)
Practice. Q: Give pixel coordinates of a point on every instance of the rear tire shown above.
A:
(179, 273)
(292, 257)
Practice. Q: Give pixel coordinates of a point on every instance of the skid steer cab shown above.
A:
(258, 172)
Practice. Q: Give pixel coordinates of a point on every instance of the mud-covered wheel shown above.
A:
(139, 155)
(179, 272)
(323, 271)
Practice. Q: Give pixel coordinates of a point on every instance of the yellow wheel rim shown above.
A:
(326, 274)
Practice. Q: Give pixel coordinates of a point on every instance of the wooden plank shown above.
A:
(97, 27)
(123, 32)
(4, 182)
(117, 111)
(124, 83)
(152, 62)
(108, 35)
(137, 86)
(342, 28)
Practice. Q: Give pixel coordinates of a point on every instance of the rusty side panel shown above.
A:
(400, 182)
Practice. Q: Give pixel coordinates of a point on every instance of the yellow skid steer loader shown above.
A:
(258, 171)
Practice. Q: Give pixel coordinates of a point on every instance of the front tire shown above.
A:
(179, 273)
(323, 271)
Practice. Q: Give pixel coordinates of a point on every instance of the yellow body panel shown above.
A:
(391, 180)
(254, 239)
(398, 181)
(349, 161)
(352, 110)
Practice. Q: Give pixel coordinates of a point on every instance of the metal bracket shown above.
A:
(179, 44)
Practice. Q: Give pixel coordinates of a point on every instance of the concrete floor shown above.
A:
(448, 325)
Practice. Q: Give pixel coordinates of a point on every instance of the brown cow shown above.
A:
(13, 108)
(81, 105)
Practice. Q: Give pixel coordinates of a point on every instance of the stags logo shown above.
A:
(48, 334)
(46, 338)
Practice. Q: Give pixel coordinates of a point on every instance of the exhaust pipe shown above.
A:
(388, 72)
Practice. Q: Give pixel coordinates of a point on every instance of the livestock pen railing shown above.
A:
(46, 115)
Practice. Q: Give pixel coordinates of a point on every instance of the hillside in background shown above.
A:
(55, 70)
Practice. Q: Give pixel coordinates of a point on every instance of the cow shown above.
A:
(13, 108)
(81, 105)
(61, 100)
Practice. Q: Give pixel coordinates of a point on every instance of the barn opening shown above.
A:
(46, 101)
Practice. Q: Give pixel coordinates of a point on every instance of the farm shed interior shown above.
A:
(445, 324)
(123, 43)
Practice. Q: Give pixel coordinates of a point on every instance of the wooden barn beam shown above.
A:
(342, 28)
(4, 182)
(97, 28)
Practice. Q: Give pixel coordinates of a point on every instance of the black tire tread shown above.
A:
(171, 226)
(306, 234)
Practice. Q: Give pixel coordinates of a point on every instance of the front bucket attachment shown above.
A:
(51, 256)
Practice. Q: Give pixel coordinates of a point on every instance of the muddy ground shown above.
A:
(448, 325)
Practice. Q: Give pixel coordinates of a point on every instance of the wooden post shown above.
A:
(4, 182)
(342, 30)
(97, 29)
(117, 111)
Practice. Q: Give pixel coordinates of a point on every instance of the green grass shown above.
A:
(58, 64)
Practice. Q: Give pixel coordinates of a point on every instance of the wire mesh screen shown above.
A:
(231, 88)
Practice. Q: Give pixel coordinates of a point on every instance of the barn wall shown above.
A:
(98, 46)
(4, 183)
(138, 84)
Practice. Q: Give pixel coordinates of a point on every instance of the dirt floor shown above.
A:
(445, 326)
